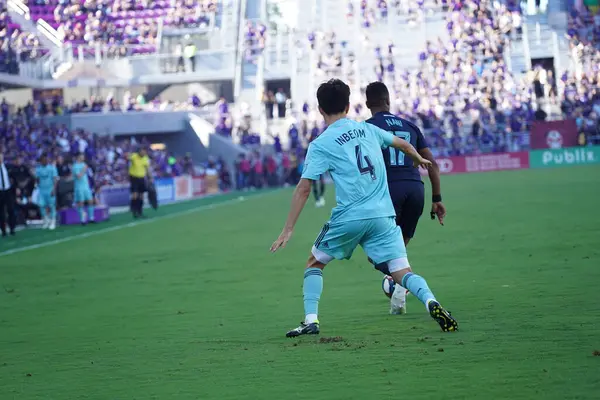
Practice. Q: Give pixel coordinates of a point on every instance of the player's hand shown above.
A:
(438, 210)
(282, 240)
(423, 162)
(18, 192)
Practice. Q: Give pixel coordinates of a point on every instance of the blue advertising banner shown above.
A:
(115, 196)
(165, 190)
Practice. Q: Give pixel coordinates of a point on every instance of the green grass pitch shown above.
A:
(195, 307)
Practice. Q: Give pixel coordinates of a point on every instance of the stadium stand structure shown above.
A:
(225, 77)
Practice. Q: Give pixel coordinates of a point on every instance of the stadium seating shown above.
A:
(457, 86)
(581, 83)
(124, 27)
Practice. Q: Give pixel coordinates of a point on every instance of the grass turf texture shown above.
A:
(194, 306)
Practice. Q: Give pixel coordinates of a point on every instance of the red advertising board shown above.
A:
(553, 134)
(483, 163)
(198, 186)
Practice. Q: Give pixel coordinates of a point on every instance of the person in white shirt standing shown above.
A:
(7, 198)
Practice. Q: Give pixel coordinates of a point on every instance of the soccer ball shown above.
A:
(388, 285)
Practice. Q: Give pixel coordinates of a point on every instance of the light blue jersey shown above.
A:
(47, 175)
(80, 182)
(351, 152)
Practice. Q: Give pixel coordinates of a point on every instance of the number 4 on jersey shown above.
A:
(369, 168)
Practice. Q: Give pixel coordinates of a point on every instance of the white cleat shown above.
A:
(320, 203)
(52, 225)
(398, 301)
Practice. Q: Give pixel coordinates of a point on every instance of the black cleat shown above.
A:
(442, 317)
(304, 329)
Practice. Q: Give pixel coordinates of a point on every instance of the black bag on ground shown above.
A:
(152, 197)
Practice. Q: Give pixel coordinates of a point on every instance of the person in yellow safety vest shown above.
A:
(190, 54)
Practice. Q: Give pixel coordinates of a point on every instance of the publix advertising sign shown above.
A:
(564, 157)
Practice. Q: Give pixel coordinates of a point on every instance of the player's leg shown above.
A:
(43, 204)
(409, 206)
(78, 199)
(52, 211)
(336, 241)
(89, 200)
(318, 192)
(322, 188)
(133, 196)
(384, 242)
(412, 209)
(398, 196)
(315, 190)
(3, 210)
(140, 196)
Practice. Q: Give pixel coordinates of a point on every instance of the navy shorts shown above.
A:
(409, 199)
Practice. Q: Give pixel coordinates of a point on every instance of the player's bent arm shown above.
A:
(409, 150)
(434, 171)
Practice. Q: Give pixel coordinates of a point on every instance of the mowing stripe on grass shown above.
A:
(129, 225)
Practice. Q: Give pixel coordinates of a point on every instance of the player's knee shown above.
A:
(314, 263)
(382, 267)
(398, 268)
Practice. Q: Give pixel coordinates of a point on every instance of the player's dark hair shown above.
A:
(333, 97)
(378, 95)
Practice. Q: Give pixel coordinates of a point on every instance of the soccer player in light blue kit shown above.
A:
(47, 177)
(83, 193)
(364, 215)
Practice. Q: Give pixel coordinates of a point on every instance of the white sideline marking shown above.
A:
(128, 225)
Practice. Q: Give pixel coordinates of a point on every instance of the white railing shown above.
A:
(159, 34)
(52, 34)
(42, 27)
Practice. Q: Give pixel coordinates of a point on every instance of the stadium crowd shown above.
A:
(462, 93)
(581, 83)
(122, 27)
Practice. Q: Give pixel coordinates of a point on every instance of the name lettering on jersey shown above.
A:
(393, 122)
(351, 134)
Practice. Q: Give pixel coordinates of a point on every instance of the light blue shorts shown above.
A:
(380, 238)
(45, 199)
(82, 195)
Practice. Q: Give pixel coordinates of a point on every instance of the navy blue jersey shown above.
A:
(399, 167)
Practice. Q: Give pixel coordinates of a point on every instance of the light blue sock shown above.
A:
(53, 212)
(80, 213)
(313, 286)
(90, 211)
(418, 287)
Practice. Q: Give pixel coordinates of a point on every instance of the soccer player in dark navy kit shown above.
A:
(404, 180)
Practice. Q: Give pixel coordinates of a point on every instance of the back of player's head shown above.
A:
(378, 95)
(333, 97)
